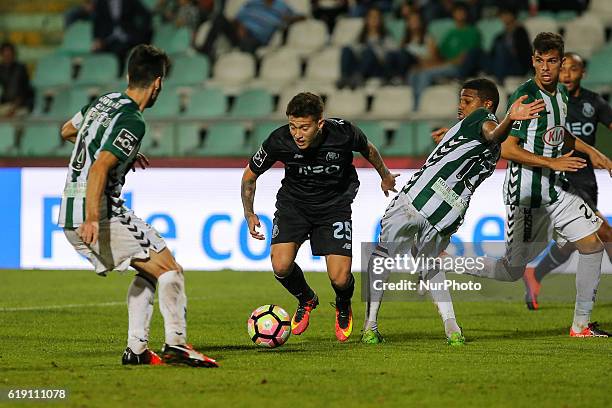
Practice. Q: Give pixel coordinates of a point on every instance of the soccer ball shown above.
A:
(269, 326)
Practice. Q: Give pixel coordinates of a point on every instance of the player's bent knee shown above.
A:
(282, 267)
(589, 244)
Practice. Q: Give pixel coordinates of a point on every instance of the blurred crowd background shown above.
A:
(393, 67)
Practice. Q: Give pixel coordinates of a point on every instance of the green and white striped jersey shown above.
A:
(528, 186)
(112, 123)
(442, 188)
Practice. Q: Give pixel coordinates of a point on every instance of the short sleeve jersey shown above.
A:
(319, 177)
(111, 123)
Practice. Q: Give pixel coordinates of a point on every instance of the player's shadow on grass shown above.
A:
(240, 347)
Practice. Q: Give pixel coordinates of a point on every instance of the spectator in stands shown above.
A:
(253, 27)
(328, 11)
(416, 47)
(181, 13)
(119, 25)
(367, 58)
(82, 12)
(449, 60)
(17, 95)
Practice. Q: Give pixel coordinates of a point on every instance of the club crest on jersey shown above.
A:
(554, 136)
(126, 142)
(588, 110)
(260, 157)
(275, 231)
(332, 156)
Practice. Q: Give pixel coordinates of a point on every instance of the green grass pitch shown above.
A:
(66, 329)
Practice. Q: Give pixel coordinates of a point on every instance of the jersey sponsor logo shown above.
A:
(332, 156)
(275, 231)
(581, 129)
(588, 110)
(260, 157)
(298, 156)
(554, 136)
(312, 170)
(126, 142)
(447, 194)
(492, 117)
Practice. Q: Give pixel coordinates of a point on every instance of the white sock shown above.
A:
(443, 301)
(140, 298)
(173, 306)
(374, 296)
(587, 280)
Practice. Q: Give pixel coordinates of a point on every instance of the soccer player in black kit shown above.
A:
(314, 202)
(585, 110)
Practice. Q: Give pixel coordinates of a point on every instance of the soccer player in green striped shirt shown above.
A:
(420, 220)
(540, 203)
(107, 134)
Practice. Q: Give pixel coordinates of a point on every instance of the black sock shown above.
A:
(344, 295)
(296, 284)
(553, 258)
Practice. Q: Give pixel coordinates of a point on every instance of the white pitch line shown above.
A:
(71, 306)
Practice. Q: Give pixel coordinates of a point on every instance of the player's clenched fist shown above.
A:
(253, 222)
(88, 231)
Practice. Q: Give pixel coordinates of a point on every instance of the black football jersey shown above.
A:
(318, 177)
(584, 112)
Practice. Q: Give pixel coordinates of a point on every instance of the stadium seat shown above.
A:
(535, 25)
(232, 7)
(98, 69)
(278, 69)
(439, 101)
(40, 140)
(285, 96)
(53, 71)
(375, 132)
(167, 106)
(177, 42)
(261, 132)
(206, 103)
(159, 140)
(502, 107)
(603, 10)
(66, 104)
(346, 31)
(188, 71)
(225, 139)
(598, 72)
(254, 103)
(307, 36)
(392, 101)
(584, 35)
(189, 139)
(233, 69)
(349, 104)
(7, 140)
(300, 7)
(438, 28)
(397, 28)
(77, 38)
(323, 69)
(411, 139)
(489, 29)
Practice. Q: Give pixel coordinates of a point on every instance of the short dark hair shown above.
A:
(576, 56)
(546, 41)
(8, 45)
(486, 89)
(146, 63)
(305, 104)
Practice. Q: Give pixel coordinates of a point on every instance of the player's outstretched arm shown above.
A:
(518, 111)
(247, 192)
(88, 231)
(387, 183)
(511, 150)
(69, 132)
(599, 160)
(438, 134)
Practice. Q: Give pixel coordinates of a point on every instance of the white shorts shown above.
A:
(529, 230)
(405, 231)
(121, 239)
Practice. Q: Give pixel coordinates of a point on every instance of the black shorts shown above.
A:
(588, 192)
(330, 232)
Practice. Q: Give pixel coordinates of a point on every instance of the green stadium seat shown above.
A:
(53, 71)
(375, 133)
(206, 103)
(65, 149)
(66, 104)
(254, 103)
(188, 139)
(262, 131)
(98, 69)
(225, 139)
(78, 39)
(397, 28)
(189, 71)
(167, 105)
(159, 140)
(173, 42)
(40, 140)
(598, 70)
(565, 15)
(411, 139)
(489, 29)
(438, 28)
(7, 140)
